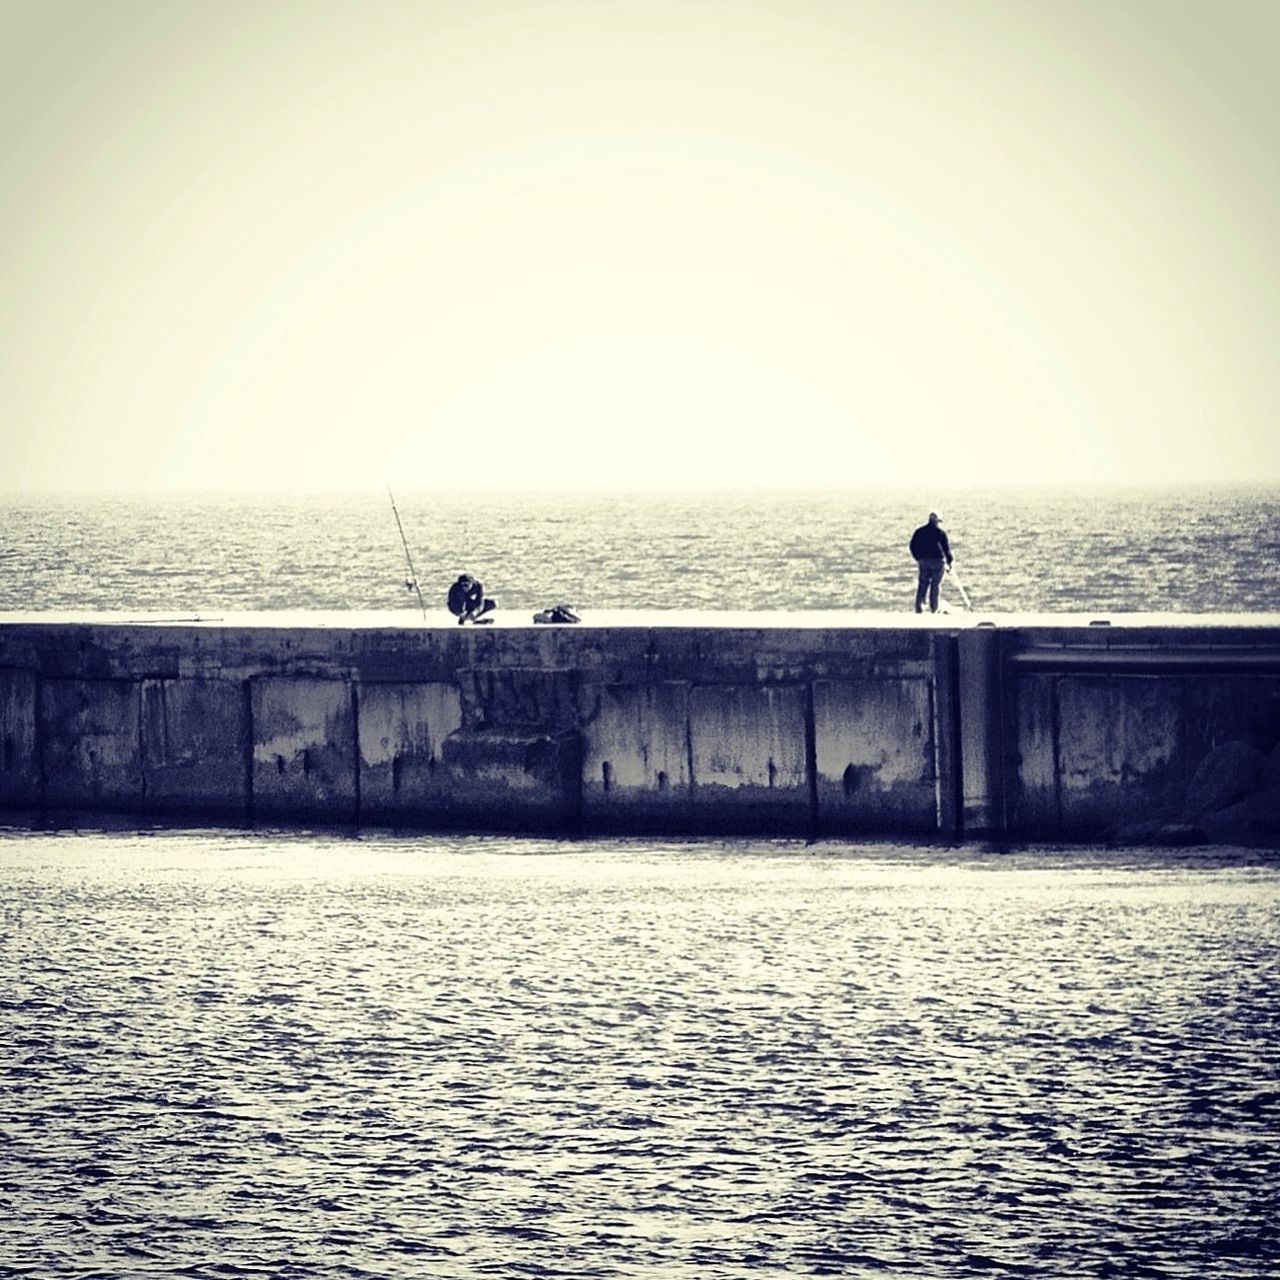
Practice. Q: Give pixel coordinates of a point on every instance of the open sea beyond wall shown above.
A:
(1184, 550)
(258, 1053)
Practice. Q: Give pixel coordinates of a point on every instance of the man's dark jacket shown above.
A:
(929, 542)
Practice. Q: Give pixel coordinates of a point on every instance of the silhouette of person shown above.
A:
(467, 601)
(932, 553)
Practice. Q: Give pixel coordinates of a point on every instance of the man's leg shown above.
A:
(922, 584)
(935, 582)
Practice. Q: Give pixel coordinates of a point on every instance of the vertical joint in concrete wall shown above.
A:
(357, 809)
(143, 690)
(246, 694)
(1000, 737)
(811, 759)
(688, 747)
(946, 734)
(42, 767)
(1055, 731)
(983, 730)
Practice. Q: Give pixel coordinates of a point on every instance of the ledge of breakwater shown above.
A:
(1161, 727)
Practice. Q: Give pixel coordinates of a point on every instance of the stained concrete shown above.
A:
(195, 736)
(20, 778)
(747, 753)
(91, 750)
(875, 755)
(635, 762)
(402, 729)
(304, 748)
(791, 724)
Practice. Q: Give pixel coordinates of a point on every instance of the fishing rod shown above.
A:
(413, 573)
(964, 595)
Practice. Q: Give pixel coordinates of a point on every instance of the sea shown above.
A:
(1183, 550)
(313, 1053)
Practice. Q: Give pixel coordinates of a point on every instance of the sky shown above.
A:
(594, 244)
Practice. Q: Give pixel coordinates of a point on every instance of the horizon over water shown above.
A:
(298, 1054)
(1185, 549)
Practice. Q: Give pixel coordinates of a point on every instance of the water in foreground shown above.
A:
(239, 1054)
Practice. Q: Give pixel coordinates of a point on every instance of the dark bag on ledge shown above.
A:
(557, 613)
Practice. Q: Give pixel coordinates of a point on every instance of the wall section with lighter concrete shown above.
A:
(401, 729)
(304, 748)
(875, 755)
(635, 758)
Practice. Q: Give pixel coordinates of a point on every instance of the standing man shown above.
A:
(932, 553)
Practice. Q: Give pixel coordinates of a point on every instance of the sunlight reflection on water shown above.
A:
(1190, 550)
(302, 1055)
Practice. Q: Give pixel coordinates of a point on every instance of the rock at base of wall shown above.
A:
(1264, 809)
(1226, 775)
(1229, 825)
(1159, 831)
(1271, 774)
(1255, 820)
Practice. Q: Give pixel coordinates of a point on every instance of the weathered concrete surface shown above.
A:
(747, 749)
(503, 780)
(304, 749)
(20, 781)
(919, 727)
(1106, 729)
(401, 731)
(1117, 740)
(635, 762)
(91, 750)
(875, 755)
(1095, 747)
(980, 711)
(195, 738)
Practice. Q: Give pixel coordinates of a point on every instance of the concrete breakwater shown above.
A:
(1163, 729)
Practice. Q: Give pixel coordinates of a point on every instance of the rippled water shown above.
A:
(1181, 550)
(233, 1054)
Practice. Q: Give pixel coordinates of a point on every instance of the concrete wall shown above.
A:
(918, 732)
(1131, 734)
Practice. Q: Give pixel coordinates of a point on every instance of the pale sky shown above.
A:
(632, 243)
